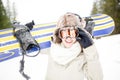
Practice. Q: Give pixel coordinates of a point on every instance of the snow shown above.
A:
(35, 67)
(108, 48)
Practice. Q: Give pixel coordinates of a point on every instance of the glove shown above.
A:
(84, 38)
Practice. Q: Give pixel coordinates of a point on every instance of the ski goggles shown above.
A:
(68, 32)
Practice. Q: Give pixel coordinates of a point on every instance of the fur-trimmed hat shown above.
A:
(68, 19)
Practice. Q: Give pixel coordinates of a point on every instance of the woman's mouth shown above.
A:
(68, 40)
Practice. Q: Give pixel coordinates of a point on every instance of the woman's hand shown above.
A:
(84, 38)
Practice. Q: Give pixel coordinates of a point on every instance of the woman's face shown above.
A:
(68, 36)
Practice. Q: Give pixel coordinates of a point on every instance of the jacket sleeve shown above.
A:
(92, 68)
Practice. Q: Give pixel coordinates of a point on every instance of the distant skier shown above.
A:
(73, 54)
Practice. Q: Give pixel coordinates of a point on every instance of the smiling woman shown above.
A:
(72, 57)
(46, 11)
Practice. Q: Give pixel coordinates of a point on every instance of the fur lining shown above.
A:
(68, 19)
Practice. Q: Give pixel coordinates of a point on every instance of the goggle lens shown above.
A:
(71, 32)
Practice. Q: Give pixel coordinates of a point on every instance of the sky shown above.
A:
(46, 11)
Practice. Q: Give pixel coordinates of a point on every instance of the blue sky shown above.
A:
(46, 11)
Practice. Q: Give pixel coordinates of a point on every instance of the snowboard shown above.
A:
(10, 47)
(104, 25)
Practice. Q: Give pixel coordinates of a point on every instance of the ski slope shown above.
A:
(35, 67)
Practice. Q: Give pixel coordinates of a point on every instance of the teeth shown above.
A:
(68, 41)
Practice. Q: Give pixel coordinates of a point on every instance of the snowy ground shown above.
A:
(108, 48)
(109, 52)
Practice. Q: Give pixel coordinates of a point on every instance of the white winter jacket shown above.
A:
(83, 64)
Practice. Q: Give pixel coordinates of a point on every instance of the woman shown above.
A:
(73, 54)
